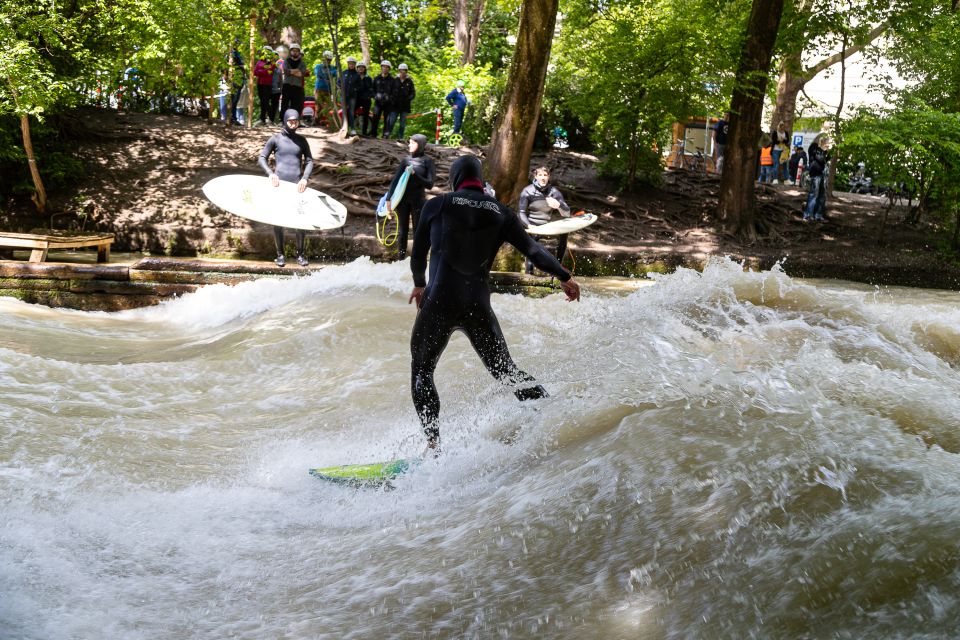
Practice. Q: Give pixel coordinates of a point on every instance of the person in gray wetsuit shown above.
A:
(294, 163)
(538, 202)
(463, 231)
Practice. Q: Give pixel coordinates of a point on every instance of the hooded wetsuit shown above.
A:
(291, 151)
(424, 173)
(463, 231)
(534, 211)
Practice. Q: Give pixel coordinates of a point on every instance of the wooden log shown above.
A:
(96, 286)
(60, 270)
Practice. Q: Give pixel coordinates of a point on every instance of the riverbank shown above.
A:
(144, 174)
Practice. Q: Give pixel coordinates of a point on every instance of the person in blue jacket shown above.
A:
(459, 101)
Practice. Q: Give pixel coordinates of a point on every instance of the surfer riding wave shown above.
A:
(463, 231)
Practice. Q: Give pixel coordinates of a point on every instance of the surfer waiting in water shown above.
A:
(538, 201)
(423, 173)
(291, 152)
(463, 231)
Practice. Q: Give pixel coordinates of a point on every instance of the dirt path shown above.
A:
(145, 172)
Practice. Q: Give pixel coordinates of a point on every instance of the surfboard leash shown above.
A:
(385, 238)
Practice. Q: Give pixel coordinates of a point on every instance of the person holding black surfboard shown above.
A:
(462, 231)
(422, 174)
(293, 163)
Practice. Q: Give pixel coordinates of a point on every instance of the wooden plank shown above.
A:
(38, 255)
(4, 235)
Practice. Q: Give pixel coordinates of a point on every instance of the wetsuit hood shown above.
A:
(290, 114)
(421, 141)
(465, 168)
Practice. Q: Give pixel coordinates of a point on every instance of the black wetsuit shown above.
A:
(424, 173)
(535, 211)
(463, 231)
(291, 150)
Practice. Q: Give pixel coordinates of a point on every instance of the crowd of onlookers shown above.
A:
(282, 76)
(777, 165)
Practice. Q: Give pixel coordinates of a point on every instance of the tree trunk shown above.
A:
(512, 141)
(364, 34)
(788, 88)
(467, 16)
(837, 131)
(736, 206)
(251, 79)
(40, 196)
(291, 35)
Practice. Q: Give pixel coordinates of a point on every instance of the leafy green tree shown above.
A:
(914, 148)
(629, 70)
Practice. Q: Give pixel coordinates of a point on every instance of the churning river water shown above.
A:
(725, 455)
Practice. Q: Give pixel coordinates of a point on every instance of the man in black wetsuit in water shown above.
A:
(463, 231)
(291, 151)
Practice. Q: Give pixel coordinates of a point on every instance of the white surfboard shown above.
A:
(255, 198)
(563, 225)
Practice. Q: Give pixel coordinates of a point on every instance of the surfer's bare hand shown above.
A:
(302, 186)
(275, 180)
(553, 203)
(416, 294)
(571, 289)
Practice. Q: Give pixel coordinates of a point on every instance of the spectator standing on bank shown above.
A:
(766, 163)
(350, 87)
(779, 137)
(239, 81)
(223, 93)
(364, 96)
(326, 75)
(277, 88)
(295, 73)
(798, 155)
(817, 196)
(458, 100)
(384, 88)
(263, 71)
(405, 94)
(721, 131)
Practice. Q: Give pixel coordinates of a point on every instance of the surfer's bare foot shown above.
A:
(280, 261)
(433, 448)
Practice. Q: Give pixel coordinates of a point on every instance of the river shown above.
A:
(724, 455)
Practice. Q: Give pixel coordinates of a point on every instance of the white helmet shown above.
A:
(351, 59)
(295, 45)
(328, 55)
(362, 64)
(459, 83)
(385, 63)
(403, 66)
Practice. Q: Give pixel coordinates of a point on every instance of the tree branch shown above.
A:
(826, 63)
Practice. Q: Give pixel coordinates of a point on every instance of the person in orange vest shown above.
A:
(766, 163)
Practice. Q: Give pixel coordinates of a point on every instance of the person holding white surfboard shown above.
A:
(422, 173)
(293, 162)
(462, 232)
(539, 201)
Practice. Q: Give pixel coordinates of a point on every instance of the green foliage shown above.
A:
(627, 71)
(435, 76)
(915, 145)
